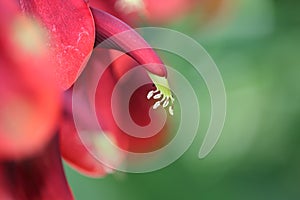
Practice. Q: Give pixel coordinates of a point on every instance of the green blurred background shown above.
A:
(257, 157)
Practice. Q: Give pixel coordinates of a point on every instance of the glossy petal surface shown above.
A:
(71, 32)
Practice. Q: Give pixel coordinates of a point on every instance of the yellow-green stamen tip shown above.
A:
(162, 94)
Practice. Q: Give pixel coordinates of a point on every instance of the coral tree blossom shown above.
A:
(45, 45)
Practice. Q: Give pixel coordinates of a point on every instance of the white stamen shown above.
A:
(163, 99)
(171, 111)
(156, 105)
(150, 94)
(166, 103)
(157, 96)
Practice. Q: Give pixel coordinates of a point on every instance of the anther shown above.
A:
(156, 105)
(157, 96)
(151, 93)
(171, 111)
(166, 103)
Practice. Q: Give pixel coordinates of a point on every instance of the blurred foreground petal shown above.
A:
(29, 104)
(38, 177)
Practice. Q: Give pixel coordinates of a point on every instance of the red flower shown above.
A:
(156, 12)
(81, 159)
(39, 39)
(138, 108)
(151, 11)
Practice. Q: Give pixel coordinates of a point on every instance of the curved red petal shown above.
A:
(72, 148)
(38, 177)
(124, 38)
(71, 29)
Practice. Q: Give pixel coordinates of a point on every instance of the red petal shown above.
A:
(72, 33)
(130, 41)
(151, 11)
(159, 12)
(72, 148)
(109, 6)
(38, 177)
(29, 102)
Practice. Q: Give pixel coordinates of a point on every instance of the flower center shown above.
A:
(128, 6)
(162, 94)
